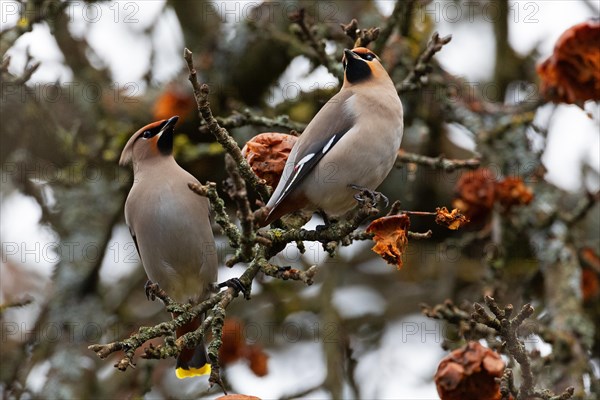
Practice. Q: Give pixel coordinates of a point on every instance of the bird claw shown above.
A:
(386, 201)
(321, 228)
(151, 288)
(373, 195)
(236, 285)
(358, 197)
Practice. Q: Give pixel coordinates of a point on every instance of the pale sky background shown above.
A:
(573, 140)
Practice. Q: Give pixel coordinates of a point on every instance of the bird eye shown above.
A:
(147, 134)
(367, 56)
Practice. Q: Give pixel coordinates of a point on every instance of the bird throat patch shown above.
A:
(357, 70)
(165, 143)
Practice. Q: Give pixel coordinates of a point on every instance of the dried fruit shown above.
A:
(590, 285)
(469, 373)
(478, 190)
(391, 237)
(590, 274)
(450, 219)
(513, 191)
(267, 154)
(234, 344)
(234, 348)
(174, 100)
(572, 74)
(475, 193)
(258, 360)
(589, 258)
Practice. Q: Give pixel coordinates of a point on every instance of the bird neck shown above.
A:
(152, 165)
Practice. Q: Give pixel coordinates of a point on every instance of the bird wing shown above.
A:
(320, 136)
(137, 247)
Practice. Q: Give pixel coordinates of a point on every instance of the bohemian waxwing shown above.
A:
(171, 228)
(351, 144)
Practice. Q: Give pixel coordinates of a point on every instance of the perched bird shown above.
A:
(171, 228)
(351, 144)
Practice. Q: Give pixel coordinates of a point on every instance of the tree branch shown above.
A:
(218, 205)
(507, 328)
(246, 117)
(360, 37)
(400, 16)
(223, 137)
(299, 18)
(422, 67)
(445, 164)
(236, 188)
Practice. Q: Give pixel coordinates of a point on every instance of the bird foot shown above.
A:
(236, 285)
(151, 288)
(321, 228)
(327, 221)
(373, 195)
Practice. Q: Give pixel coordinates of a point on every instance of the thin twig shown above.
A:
(507, 329)
(186, 314)
(333, 233)
(419, 213)
(413, 80)
(360, 37)
(299, 18)
(445, 164)
(15, 304)
(247, 117)
(218, 205)
(286, 273)
(581, 209)
(201, 93)
(236, 188)
(27, 73)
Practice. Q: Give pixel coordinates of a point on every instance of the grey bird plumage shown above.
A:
(353, 140)
(170, 226)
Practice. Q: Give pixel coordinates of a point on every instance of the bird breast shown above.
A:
(174, 236)
(364, 156)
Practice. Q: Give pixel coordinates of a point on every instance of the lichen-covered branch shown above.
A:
(201, 93)
(507, 329)
(445, 164)
(215, 306)
(287, 273)
(218, 205)
(334, 232)
(247, 117)
(362, 235)
(481, 324)
(236, 188)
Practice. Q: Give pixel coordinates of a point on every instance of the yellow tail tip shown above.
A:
(190, 373)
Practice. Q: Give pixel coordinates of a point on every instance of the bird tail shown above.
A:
(191, 362)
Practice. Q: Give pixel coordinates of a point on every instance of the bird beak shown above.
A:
(350, 54)
(165, 136)
(349, 57)
(169, 125)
